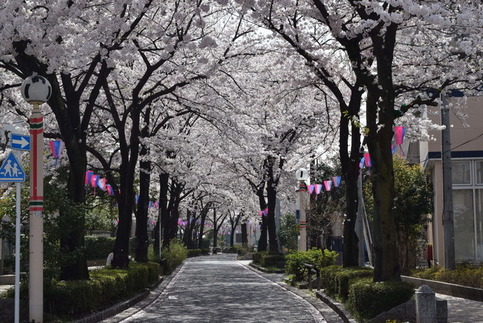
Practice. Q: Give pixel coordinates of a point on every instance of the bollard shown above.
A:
(425, 305)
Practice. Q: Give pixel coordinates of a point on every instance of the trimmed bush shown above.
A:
(198, 252)
(368, 299)
(78, 298)
(173, 256)
(267, 260)
(464, 274)
(317, 257)
(336, 280)
(98, 247)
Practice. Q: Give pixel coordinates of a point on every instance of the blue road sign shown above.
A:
(11, 170)
(20, 142)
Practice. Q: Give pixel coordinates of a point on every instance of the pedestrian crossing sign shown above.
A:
(11, 170)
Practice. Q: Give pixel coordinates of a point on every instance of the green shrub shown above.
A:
(319, 258)
(277, 261)
(174, 256)
(98, 247)
(230, 250)
(368, 299)
(257, 257)
(464, 274)
(198, 252)
(105, 287)
(336, 280)
(267, 260)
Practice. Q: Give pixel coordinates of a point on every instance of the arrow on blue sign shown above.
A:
(20, 142)
(11, 170)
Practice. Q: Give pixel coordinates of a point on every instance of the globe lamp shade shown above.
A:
(36, 89)
(302, 174)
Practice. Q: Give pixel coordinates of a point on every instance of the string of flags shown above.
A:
(56, 148)
(399, 133)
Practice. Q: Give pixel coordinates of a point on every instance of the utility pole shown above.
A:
(448, 219)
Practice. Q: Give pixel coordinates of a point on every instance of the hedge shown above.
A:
(98, 247)
(104, 288)
(267, 260)
(368, 299)
(173, 256)
(317, 257)
(336, 280)
(198, 252)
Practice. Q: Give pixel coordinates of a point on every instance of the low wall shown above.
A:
(475, 294)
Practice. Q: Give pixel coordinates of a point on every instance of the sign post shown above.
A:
(11, 171)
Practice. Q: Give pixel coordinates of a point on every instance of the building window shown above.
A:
(468, 209)
(461, 172)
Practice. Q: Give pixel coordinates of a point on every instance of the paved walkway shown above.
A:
(462, 310)
(220, 289)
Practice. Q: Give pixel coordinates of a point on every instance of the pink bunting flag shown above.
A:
(260, 213)
(101, 183)
(56, 147)
(88, 177)
(318, 188)
(367, 160)
(310, 188)
(399, 135)
(336, 181)
(94, 180)
(328, 185)
(110, 190)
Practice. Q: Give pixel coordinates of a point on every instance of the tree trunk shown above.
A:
(262, 241)
(142, 241)
(244, 233)
(204, 213)
(163, 206)
(172, 214)
(129, 157)
(272, 202)
(380, 120)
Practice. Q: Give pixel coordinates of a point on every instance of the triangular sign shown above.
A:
(11, 170)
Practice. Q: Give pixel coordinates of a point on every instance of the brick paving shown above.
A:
(218, 288)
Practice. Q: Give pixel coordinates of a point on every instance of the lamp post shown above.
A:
(302, 199)
(36, 90)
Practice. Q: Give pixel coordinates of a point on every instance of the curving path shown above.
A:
(219, 288)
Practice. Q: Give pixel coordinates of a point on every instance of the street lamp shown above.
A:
(36, 90)
(302, 175)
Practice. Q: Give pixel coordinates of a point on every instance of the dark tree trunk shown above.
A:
(142, 241)
(172, 214)
(126, 201)
(262, 241)
(163, 207)
(204, 213)
(244, 233)
(232, 236)
(380, 107)
(272, 201)
(188, 230)
(350, 171)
